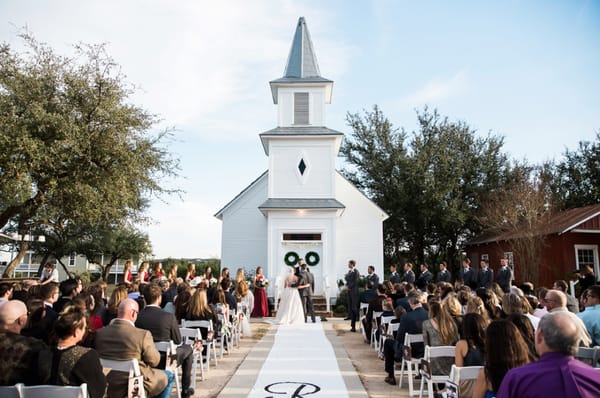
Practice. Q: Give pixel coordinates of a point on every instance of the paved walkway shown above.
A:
(294, 362)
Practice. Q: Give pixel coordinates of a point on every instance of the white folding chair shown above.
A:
(51, 391)
(190, 336)
(374, 326)
(210, 342)
(383, 327)
(461, 373)
(412, 364)
(432, 352)
(589, 355)
(224, 338)
(169, 349)
(12, 391)
(130, 366)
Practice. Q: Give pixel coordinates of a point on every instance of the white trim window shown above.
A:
(587, 254)
(72, 260)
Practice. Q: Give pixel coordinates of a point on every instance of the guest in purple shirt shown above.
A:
(557, 373)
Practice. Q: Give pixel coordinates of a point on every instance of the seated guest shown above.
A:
(572, 303)
(121, 340)
(375, 305)
(469, 351)
(368, 294)
(49, 293)
(118, 295)
(69, 288)
(527, 331)
(411, 323)
(18, 354)
(475, 306)
(513, 304)
(164, 327)
(557, 373)
(68, 364)
(505, 349)
(591, 315)
(439, 330)
(470, 348)
(452, 306)
(6, 291)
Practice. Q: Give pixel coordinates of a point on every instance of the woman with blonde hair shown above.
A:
(143, 276)
(514, 304)
(439, 330)
(475, 305)
(127, 274)
(118, 295)
(191, 272)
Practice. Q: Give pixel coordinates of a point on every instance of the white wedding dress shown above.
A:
(290, 311)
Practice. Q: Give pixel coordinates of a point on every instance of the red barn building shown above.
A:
(572, 239)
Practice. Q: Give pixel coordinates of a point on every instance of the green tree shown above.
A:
(377, 158)
(431, 186)
(112, 243)
(74, 147)
(577, 181)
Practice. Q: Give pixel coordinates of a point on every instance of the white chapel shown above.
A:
(302, 207)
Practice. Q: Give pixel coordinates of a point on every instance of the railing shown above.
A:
(326, 288)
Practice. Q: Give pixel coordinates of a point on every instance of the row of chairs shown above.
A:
(410, 366)
(43, 391)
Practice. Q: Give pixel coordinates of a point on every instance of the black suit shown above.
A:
(306, 278)
(373, 278)
(163, 327)
(411, 323)
(485, 278)
(353, 305)
(503, 278)
(424, 279)
(409, 276)
(468, 277)
(444, 276)
(394, 277)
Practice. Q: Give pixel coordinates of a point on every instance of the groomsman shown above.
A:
(424, 278)
(394, 276)
(467, 275)
(504, 275)
(444, 275)
(352, 285)
(486, 275)
(372, 276)
(409, 275)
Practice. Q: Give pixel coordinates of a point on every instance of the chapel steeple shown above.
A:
(302, 67)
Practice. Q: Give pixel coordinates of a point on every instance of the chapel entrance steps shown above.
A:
(320, 306)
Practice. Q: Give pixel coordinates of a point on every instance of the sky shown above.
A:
(523, 70)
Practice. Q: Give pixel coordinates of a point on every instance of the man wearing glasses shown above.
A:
(121, 340)
(18, 354)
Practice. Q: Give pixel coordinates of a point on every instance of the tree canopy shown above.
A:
(431, 183)
(74, 148)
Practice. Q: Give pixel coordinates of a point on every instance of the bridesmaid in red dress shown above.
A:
(261, 305)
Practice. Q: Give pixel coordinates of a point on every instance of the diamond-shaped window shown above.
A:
(302, 166)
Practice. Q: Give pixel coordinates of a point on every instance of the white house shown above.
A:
(302, 206)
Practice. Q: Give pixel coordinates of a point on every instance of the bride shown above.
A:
(290, 311)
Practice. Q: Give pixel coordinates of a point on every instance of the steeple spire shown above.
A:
(302, 62)
(301, 68)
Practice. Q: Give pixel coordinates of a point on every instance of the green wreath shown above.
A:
(291, 258)
(312, 258)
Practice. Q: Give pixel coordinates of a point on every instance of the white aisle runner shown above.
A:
(301, 363)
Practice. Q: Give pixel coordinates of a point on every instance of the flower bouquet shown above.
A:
(262, 283)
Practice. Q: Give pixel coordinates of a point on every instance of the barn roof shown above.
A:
(558, 223)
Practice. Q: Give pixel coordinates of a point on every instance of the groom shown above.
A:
(306, 282)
